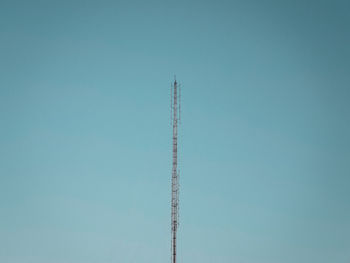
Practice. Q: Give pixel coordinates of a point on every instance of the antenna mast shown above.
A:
(175, 117)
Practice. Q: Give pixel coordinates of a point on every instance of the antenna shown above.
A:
(180, 104)
(175, 112)
(171, 104)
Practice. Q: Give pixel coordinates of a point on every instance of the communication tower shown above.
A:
(175, 104)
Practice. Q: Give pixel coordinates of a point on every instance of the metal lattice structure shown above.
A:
(175, 120)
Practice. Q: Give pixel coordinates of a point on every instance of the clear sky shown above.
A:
(85, 136)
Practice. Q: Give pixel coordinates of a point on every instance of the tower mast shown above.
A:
(175, 117)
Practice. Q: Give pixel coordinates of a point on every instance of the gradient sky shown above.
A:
(85, 136)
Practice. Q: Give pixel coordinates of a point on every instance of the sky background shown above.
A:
(85, 135)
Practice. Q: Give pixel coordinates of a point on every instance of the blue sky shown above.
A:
(85, 136)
